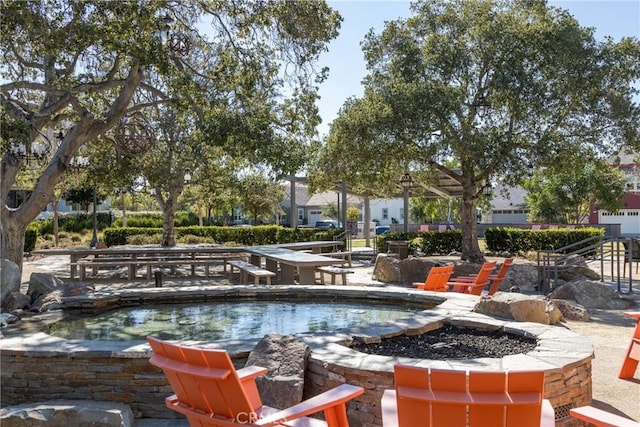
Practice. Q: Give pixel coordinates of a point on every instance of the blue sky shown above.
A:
(615, 18)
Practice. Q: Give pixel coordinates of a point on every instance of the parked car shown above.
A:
(382, 229)
(328, 224)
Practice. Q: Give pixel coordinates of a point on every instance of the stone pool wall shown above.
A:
(39, 367)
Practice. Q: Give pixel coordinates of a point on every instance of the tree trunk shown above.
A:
(56, 222)
(168, 221)
(470, 247)
(124, 210)
(12, 238)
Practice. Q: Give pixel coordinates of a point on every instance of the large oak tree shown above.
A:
(83, 66)
(497, 85)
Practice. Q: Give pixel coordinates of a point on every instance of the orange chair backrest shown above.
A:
(502, 273)
(437, 278)
(457, 398)
(216, 390)
(482, 278)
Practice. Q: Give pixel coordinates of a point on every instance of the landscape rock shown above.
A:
(15, 301)
(53, 300)
(524, 276)
(520, 307)
(415, 269)
(387, 269)
(65, 413)
(571, 310)
(42, 284)
(10, 278)
(7, 319)
(591, 294)
(285, 357)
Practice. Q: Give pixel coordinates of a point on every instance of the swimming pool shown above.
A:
(222, 320)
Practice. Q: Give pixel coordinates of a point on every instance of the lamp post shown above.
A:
(94, 238)
(406, 181)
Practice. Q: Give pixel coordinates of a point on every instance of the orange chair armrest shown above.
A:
(389, 409)
(249, 372)
(464, 279)
(601, 418)
(634, 314)
(337, 396)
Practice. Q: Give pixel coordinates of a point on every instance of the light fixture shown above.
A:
(487, 189)
(481, 105)
(187, 176)
(406, 181)
(34, 152)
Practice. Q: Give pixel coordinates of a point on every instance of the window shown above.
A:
(300, 214)
(385, 213)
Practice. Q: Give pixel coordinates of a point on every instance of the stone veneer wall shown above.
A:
(39, 367)
(563, 355)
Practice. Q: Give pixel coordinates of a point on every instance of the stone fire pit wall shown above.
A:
(565, 357)
(38, 367)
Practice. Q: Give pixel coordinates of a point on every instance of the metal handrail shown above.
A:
(552, 260)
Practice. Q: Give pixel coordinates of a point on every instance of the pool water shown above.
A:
(226, 320)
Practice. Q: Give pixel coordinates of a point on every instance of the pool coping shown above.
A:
(557, 346)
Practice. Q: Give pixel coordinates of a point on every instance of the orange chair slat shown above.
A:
(630, 363)
(523, 382)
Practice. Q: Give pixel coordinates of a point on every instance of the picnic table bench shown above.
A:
(134, 257)
(248, 269)
(151, 262)
(333, 272)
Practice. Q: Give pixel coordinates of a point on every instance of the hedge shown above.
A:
(512, 240)
(258, 235)
(428, 242)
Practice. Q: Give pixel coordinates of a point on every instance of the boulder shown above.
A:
(387, 268)
(15, 301)
(571, 310)
(523, 276)
(285, 358)
(7, 319)
(53, 300)
(591, 294)
(520, 307)
(465, 269)
(42, 284)
(65, 413)
(10, 278)
(415, 269)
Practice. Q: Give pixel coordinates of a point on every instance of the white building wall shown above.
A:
(393, 207)
(629, 220)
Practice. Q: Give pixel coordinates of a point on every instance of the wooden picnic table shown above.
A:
(315, 246)
(289, 261)
(137, 254)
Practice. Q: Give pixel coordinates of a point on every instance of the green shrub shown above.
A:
(514, 240)
(30, 238)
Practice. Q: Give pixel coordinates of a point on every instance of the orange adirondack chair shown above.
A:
(633, 353)
(600, 418)
(496, 279)
(436, 279)
(455, 398)
(476, 285)
(209, 391)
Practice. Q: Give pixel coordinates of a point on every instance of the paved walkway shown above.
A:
(608, 331)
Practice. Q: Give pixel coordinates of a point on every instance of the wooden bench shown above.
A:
(459, 398)
(600, 418)
(151, 262)
(630, 363)
(333, 272)
(247, 269)
(344, 256)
